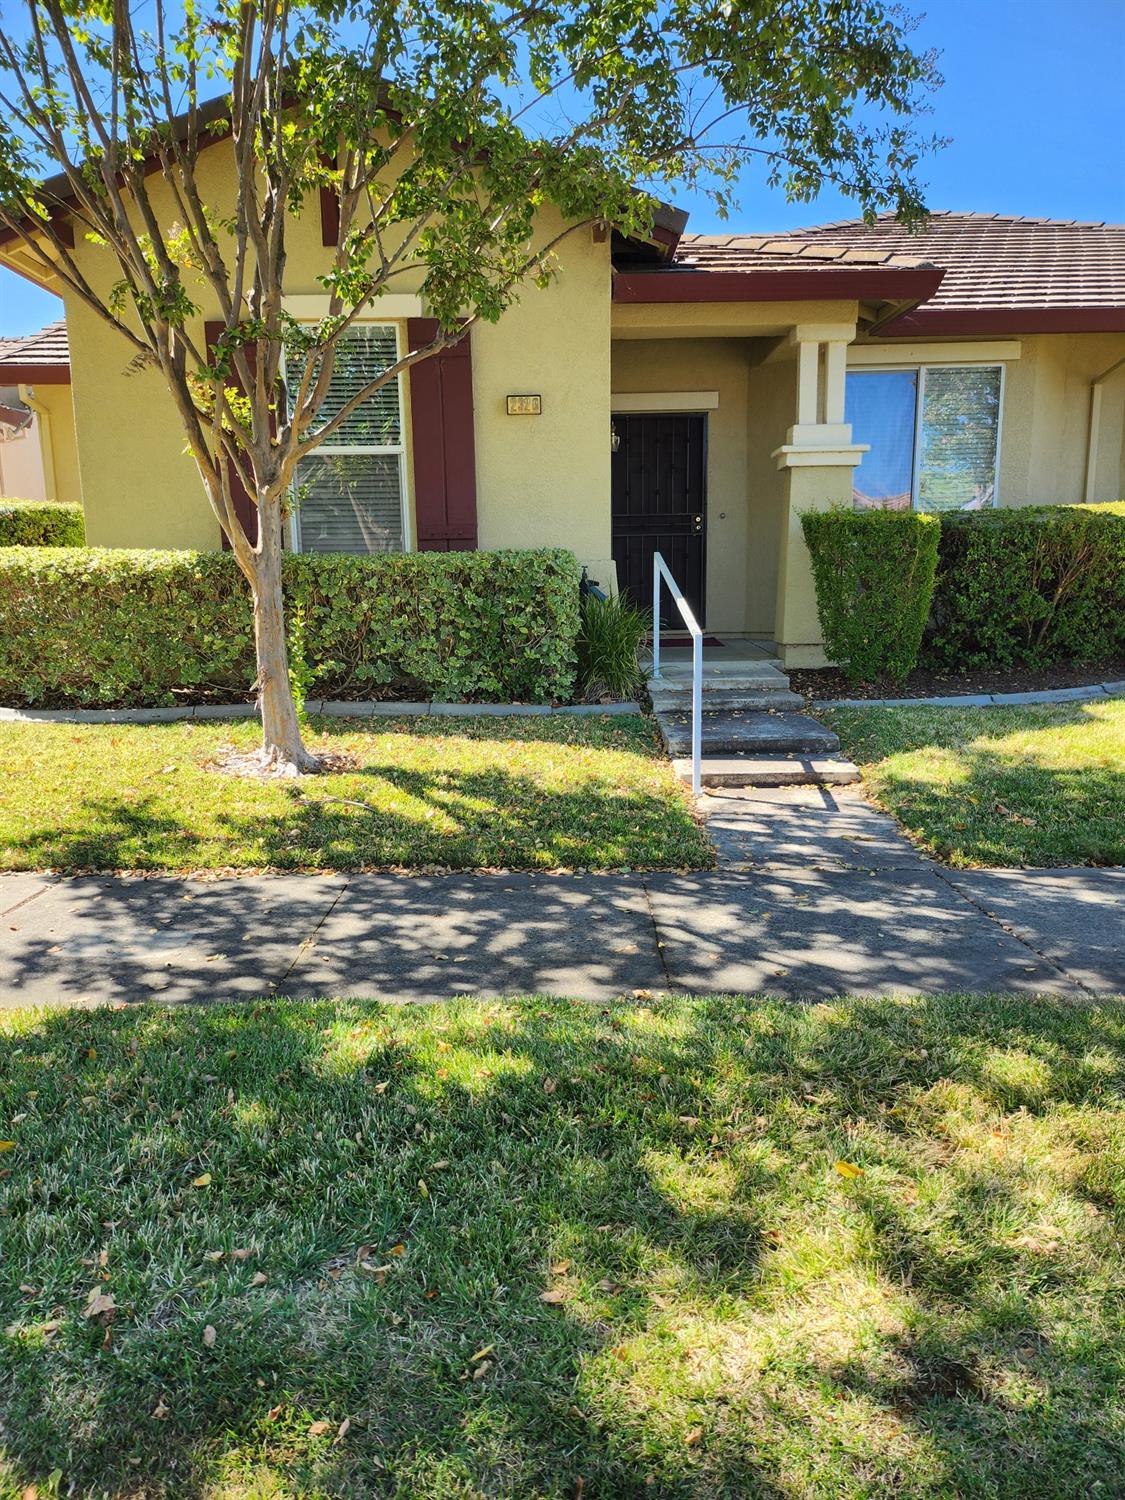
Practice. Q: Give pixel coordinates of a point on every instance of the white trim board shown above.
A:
(642, 401)
(933, 354)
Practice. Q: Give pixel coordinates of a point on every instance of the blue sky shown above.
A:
(1032, 101)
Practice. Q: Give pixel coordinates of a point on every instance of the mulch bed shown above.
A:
(830, 683)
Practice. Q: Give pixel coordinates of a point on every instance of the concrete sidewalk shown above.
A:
(817, 894)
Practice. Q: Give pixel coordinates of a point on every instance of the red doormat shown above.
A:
(685, 640)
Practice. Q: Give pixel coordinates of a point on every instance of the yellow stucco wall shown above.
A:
(540, 480)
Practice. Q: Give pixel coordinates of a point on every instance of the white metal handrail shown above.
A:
(660, 571)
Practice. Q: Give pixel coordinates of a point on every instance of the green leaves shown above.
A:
(91, 625)
(41, 523)
(874, 575)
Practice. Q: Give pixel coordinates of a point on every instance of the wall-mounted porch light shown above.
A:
(614, 437)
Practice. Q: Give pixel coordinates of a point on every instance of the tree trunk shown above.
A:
(282, 747)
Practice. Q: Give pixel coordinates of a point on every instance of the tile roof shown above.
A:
(765, 252)
(49, 347)
(1065, 273)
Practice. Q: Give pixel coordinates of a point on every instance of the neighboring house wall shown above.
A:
(54, 416)
(21, 462)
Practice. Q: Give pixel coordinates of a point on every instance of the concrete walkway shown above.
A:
(816, 894)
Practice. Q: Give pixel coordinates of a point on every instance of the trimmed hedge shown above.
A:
(1029, 587)
(874, 575)
(41, 523)
(107, 626)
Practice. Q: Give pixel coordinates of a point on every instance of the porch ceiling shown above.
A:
(736, 320)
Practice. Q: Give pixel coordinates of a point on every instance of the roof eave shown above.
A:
(970, 320)
(881, 283)
(30, 374)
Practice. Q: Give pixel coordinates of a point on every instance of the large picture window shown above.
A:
(349, 492)
(934, 436)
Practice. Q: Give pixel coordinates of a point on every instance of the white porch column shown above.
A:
(818, 458)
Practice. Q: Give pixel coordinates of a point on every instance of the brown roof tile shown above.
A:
(991, 261)
(49, 347)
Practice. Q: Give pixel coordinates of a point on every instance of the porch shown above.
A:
(723, 433)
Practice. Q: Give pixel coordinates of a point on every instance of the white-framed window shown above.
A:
(934, 436)
(350, 493)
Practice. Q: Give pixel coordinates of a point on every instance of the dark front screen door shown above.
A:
(659, 493)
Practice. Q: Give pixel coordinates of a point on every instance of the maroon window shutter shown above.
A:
(443, 448)
(244, 507)
(329, 209)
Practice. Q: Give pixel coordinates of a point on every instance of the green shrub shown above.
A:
(1029, 587)
(41, 523)
(609, 639)
(107, 626)
(874, 575)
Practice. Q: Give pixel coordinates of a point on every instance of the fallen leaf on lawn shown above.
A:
(848, 1169)
(482, 1353)
(318, 1429)
(1038, 1244)
(380, 1088)
(241, 1254)
(214, 1255)
(397, 1250)
(553, 1295)
(202, 1181)
(550, 1085)
(7, 1145)
(26, 1289)
(209, 1337)
(160, 1411)
(439, 1166)
(259, 1278)
(422, 1188)
(560, 1267)
(98, 1303)
(273, 1413)
(482, 1369)
(693, 1437)
(342, 1430)
(29, 1492)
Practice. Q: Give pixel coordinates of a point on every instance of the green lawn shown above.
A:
(720, 1248)
(998, 786)
(593, 793)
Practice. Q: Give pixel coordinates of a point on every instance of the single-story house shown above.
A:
(688, 393)
(38, 447)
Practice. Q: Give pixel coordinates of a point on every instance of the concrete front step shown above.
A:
(727, 700)
(726, 675)
(770, 770)
(730, 732)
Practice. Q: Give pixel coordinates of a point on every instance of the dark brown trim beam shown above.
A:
(1009, 320)
(880, 282)
(34, 374)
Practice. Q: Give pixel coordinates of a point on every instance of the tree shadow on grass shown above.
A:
(735, 1318)
(385, 814)
(1003, 808)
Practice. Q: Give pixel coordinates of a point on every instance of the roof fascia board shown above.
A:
(776, 286)
(24, 374)
(1012, 320)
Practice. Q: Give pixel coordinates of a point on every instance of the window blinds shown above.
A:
(349, 491)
